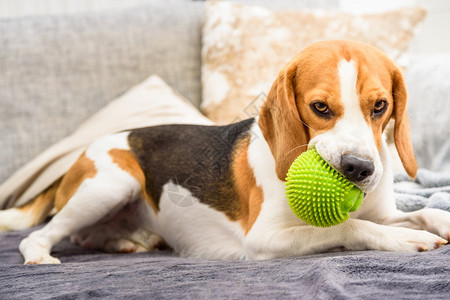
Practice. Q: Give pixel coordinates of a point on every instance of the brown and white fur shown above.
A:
(217, 192)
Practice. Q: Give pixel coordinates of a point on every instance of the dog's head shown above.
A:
(338, 96)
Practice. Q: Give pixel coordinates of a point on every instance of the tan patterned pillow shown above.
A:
(244, 48)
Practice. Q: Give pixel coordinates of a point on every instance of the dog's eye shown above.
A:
(380, 107)
(321, 108)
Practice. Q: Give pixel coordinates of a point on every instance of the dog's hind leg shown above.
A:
(92, 191)
(96, 199)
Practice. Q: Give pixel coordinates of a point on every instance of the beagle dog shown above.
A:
(218, 192)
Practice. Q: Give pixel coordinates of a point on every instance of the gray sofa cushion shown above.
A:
(56, 71)
(429, 109)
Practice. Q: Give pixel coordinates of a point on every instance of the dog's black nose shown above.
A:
(355, 168)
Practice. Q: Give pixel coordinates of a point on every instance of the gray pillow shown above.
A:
(428, 86)
(55, 71)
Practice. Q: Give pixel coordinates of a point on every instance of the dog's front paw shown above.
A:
(409, 240)
(436, 221)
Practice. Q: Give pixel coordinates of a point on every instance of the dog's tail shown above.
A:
(32, 213)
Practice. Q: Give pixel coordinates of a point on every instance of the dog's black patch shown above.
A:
(196, 157)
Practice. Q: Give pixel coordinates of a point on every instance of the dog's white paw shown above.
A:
(123, 245)
(36, 252)
(436, 221)
(42, 260)
(120, 246)
(408, 240)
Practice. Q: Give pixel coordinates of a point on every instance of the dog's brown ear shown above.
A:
(401, 129)
(280, 122)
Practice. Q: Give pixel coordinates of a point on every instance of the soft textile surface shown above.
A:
(354, 275)
(149, 103)
(244, 47)
(55, 71)
(429, 189)
(366, 274)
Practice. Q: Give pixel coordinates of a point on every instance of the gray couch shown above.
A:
(57, 71)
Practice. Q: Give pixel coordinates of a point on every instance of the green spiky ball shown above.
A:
(318, 194)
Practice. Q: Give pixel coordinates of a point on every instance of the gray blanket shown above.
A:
(429, 189)
(338, 275)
